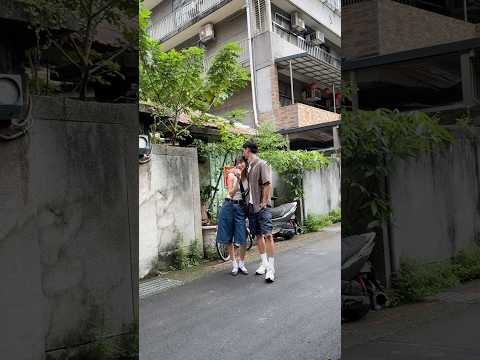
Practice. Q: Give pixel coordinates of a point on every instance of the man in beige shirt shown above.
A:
(259, 209)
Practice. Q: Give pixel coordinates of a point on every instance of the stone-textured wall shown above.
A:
(68, 234)
(379, 27)
(322, 189)
(436, 203)
(169, 198)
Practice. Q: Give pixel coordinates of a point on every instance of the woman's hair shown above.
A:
(244, 171)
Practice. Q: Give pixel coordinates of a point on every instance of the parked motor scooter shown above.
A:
(284, 222)
(360, 289)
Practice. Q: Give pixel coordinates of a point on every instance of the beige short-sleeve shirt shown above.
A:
(259, 175)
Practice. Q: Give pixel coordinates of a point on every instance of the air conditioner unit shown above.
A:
(207, 33)
(298, 25)
(316, 38)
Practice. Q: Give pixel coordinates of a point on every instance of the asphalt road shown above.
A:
(446, 327)
(229, 318)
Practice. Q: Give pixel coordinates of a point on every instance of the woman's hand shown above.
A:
(237, 172)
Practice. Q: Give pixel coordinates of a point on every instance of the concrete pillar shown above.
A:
(467, 78)
(268, 16)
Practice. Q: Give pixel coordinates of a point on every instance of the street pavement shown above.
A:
(444, 327)
(227, 318)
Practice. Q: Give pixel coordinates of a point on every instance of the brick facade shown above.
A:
(360, 29)
(402, 27)
(298, 115)
(379, 27)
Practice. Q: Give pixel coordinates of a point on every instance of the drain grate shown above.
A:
(155, 286)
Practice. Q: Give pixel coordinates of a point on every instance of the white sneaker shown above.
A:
(243, 269)
(270, 276)
(235, 269)
(262, 269)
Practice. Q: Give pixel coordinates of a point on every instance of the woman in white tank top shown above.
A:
(231, 220)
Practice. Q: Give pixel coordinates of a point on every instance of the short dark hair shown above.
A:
(250, 144)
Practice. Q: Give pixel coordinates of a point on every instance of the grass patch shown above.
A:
(317, 222)
(414, 282)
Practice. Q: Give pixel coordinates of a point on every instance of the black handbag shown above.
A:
(244, 201)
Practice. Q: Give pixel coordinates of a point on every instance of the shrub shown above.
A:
(416, 281)
(466, 265)
(335, 215)
(186, 256)
(316, 222)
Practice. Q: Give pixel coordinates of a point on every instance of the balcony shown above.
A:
(334, 5)
(182, 17)
(315, 51)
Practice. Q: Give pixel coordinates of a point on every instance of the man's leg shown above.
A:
(266, 229)
(269, 243)
(263, 256)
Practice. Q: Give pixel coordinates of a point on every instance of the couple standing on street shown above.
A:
(249, 190)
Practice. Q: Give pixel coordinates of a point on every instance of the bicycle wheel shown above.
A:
(222, 251)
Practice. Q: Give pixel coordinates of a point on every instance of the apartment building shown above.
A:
(412, 55)
(292, 44)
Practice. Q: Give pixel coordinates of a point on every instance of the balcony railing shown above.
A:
(301, 43)
(182, 16)
(335, 5)
(243, 58)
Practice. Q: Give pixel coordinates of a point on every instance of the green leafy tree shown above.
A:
(177, 86)
(83, 19)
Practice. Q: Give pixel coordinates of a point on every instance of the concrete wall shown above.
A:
(68, 228)
(169, 198)
(436, 203)
(322, 189)
(233, 28)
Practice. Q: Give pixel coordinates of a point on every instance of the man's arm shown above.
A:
(267, 189)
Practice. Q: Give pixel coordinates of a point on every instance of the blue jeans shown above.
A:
(231, 224)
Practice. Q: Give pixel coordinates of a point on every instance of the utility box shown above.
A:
(298, 24)
(316, 38)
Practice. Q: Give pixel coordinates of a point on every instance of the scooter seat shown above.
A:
(279, 211)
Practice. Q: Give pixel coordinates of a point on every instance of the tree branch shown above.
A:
(103, 62)
(65, 54)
